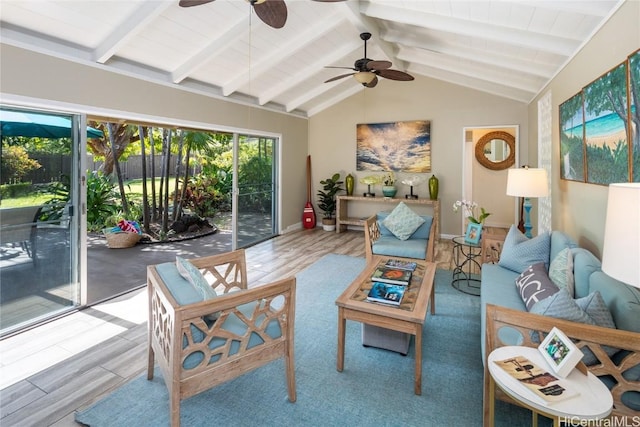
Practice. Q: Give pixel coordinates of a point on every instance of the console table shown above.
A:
(342, 210)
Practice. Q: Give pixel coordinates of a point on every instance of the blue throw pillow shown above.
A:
(191, 273)
(562, 306)
(519, 252)
(402, 221)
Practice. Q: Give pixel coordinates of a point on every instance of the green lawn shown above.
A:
(132, 187)
(32, 199)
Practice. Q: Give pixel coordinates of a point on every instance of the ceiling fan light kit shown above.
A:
(367, 70)
(364, 77)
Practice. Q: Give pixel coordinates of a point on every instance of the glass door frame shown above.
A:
(76, 273)
(275, 179)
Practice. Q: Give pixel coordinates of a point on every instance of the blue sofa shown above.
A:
(498, 288)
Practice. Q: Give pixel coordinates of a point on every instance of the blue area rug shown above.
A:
(375, 388)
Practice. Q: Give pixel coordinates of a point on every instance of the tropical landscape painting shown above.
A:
(571, 139)
(605, 106)
(397, 146)
(599, 128)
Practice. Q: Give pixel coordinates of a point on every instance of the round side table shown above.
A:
(466, 257)
(594, 401)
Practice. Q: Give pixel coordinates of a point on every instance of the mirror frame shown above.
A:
(506, 163)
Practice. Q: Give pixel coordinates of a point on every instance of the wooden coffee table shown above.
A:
(408, 317)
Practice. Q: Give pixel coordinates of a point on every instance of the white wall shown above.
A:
(450, 108)
(579, 208)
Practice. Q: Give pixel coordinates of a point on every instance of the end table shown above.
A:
(593, 403)
(466, 257)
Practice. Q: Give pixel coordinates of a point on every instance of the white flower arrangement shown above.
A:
(471, 211)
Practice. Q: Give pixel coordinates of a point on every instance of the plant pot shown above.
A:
(389, 190)
(329, 224)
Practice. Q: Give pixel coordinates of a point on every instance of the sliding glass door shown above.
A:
(255, 182)
(39, 228)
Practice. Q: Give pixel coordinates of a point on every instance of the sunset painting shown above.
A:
(397, 146)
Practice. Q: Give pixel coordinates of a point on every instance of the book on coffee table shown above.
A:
(386, 293)
(401, 264)
(396, 276)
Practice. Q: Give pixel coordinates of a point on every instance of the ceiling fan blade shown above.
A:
(395, 75)
(342, 68)
(378, 65)
(373, 83)
(272, 12)
(189, 3)
(339, 77)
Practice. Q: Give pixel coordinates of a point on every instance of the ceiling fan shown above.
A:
(271, 12)
(367, 70)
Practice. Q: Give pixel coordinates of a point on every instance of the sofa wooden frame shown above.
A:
(593, 337)
(170, 324)
(372, 233)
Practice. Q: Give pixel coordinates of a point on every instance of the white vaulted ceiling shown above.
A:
(221, 49)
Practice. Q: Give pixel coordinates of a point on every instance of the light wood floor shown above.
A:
(49, 372)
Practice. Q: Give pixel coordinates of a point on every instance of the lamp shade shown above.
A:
(621, 249)
(527, 182)
(364, 77)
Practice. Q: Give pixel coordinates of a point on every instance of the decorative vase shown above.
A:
(389, 190)
(349, 182)
(433, 187)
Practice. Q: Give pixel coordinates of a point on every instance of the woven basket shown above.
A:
(122, 239)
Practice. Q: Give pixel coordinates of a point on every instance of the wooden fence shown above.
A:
(55, 165)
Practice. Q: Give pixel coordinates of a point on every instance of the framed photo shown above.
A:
(473, 233)
(560, 353)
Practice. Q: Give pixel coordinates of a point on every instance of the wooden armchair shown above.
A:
(194, 353)
(396, 247)
(620, 371)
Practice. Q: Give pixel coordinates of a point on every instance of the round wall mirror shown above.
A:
(496, 150)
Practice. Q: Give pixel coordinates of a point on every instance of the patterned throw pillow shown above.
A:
(191, 273)
(534, 285)
(561, 271)
(402, 221)
(562, 306)
(519, 252)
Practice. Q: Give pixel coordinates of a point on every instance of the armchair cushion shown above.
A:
(411, 248)
(402, 221)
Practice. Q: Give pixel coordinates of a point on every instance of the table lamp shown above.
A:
(527, 182)
(621, 249)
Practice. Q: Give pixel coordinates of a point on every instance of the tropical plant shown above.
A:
(102, 200)
(201, 196)
(327, 196)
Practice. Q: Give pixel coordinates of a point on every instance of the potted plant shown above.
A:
(389, 185)
(327, 200)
